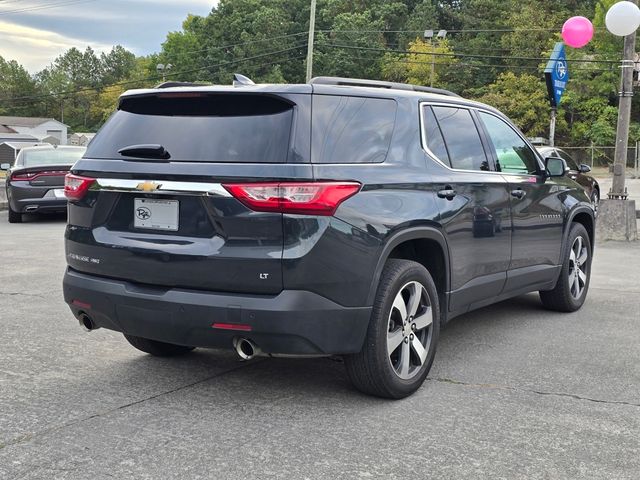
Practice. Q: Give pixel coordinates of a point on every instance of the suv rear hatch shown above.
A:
(148, 204)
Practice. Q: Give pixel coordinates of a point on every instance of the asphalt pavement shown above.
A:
(515, 392)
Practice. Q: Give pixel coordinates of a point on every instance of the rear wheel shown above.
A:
(571, 290)
(14, 217)
(403, 332)
(158, 349)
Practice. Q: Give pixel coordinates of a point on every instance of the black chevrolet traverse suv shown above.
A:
(340, 217)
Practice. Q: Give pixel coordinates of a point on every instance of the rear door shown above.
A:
(158, 214)
(474, 206)
(536, 206)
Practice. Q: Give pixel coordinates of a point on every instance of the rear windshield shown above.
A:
(57, 156)
(195, 127)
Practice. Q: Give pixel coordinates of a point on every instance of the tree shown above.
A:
(15, 83)
(523, 99)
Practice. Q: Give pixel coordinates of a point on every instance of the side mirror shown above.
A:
(5, 166)
(584, 168)
(556, 167)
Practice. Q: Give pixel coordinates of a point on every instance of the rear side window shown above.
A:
(461, 138)
(351, 129)
(197, 127)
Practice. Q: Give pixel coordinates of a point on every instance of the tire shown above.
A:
(14, 217)
(155, 348)
(571, 289)
(373, 370)
(595, 200)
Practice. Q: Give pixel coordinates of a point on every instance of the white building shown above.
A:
(80, 139)
(40, 128)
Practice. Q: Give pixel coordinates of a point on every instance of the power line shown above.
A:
(464, 55)
(43, 7)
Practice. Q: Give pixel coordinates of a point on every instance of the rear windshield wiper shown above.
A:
(152, 152)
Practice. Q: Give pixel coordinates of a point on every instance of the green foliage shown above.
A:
(523, 98)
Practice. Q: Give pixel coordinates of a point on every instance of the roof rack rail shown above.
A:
(179, 84)
(357, 82)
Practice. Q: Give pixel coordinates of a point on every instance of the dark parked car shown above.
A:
(341, 217)
(579, 173)
(35, 183)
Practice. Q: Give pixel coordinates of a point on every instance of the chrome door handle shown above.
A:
(518, 193)
(447, 193)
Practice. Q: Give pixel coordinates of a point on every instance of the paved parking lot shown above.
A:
(515, 392)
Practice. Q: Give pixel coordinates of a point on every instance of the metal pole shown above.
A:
(624, 117)
(552, 127)
(312, 31)
(433, 61)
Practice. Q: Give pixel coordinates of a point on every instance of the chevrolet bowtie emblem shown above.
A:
(148, 186)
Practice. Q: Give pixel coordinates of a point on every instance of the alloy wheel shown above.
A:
(410, 330)
(578, 267)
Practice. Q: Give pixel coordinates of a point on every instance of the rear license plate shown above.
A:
(59, 193)
(156, 214)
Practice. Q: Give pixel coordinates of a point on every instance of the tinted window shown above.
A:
(433, 136)
(52, 156)
(512, 153)
(461, 138)
(200, 127)
(570, 161)
(351, 129)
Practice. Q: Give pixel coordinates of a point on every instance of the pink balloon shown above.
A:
(577, 32)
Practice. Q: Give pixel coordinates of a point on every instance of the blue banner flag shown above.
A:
(557, 74)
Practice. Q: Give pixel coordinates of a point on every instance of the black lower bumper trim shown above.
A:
(293, 322)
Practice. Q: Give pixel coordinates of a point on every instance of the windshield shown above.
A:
(57, 156)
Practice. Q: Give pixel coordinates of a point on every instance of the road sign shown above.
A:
(557, 74)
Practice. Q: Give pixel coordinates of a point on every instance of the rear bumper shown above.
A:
(293, 322)
(23, 200)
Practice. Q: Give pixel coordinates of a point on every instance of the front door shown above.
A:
(536, 207)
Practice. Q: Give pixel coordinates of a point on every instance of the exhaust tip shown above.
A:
(86, 323)
(246, 349)
(30, 208)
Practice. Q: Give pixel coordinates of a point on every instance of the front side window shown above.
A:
(571, 163)
(513, 155)
(461, 138)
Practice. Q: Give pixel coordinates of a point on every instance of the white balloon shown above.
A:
(623, 18)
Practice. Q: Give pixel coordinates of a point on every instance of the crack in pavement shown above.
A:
(527, 390)
(23, 294)
(30, 436)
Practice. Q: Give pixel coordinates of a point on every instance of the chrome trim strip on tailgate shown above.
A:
(161, 187)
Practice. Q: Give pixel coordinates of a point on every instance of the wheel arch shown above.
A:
(425, 245)
(584, 216)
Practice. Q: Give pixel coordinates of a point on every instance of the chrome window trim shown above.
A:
(427, 150)
(164, 187)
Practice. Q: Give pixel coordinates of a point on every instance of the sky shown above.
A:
(35, 32)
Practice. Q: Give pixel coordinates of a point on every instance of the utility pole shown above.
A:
(552, 127)
(618, 189)
(312, 31)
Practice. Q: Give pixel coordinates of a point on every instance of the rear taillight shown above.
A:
(309, 198)
(33, 175)
(75, 187)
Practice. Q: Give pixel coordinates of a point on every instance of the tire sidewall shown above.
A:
(576, 230)
(394, 384)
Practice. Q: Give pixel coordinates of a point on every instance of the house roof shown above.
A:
(26, 121)
(20, 145)
(17, 137)
(5, 129)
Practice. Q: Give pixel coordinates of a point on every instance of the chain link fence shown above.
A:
(603, 157)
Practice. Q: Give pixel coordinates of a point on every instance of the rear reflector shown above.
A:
(75, 187)
(80, 304)
(232, 326)
(309, 198)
